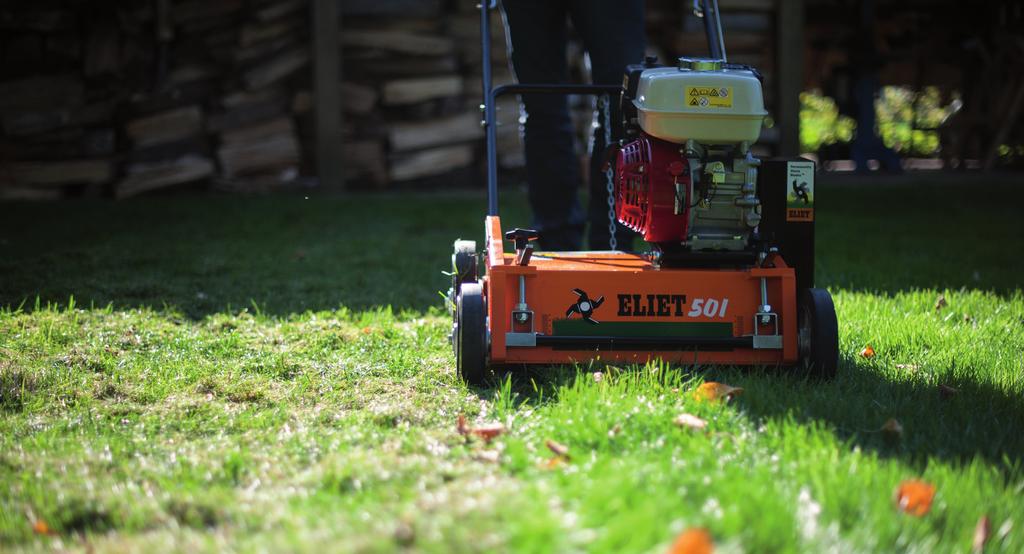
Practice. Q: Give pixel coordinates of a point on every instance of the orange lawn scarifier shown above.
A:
(729, 275)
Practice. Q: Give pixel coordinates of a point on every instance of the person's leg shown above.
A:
(537, 34)
(613, 35)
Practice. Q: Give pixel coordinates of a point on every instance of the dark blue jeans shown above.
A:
(613, 34)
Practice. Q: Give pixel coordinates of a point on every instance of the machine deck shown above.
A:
(626, 308)
(682, 175)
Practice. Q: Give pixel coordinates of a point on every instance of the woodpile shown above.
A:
(131, 97)
(412, 87)
(125, 98)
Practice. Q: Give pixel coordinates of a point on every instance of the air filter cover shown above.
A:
(718, 106)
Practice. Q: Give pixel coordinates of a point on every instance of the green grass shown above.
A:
(210, 373)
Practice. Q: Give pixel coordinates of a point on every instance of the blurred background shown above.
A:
(105, 98)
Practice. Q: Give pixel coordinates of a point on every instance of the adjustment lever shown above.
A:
(522, 239)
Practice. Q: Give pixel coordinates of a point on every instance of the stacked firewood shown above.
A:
(126, 98)
(412, 89)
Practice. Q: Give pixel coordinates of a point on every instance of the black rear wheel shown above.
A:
(818, 334)
(464, 270)
(471, 334)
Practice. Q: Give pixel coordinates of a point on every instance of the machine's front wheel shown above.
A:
(818, 334)
(471, 334)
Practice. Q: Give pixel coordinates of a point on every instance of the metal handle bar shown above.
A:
(489, 121)
(712, 26)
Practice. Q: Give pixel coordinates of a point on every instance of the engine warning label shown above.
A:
(709, 97)
(800, 191)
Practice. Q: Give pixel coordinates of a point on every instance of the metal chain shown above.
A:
(606, 122)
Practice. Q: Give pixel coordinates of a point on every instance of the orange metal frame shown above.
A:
(634, 291)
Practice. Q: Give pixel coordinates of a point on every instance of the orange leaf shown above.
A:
(488, 432)
(690, 422)
(982, 531)
(693, 541)
(553, 463)
(558, 448)
(41, 528)
(712, 391)
(892, 429)
(915, 497)
(868, 352)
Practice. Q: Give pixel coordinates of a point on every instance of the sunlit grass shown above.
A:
(316, 420)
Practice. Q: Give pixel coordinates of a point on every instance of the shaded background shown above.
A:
(119, 98)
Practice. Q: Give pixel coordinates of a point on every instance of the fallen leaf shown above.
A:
(690, 422)
(41, 528)
(968, 318)
(598, 377)
(553, 463)
(946, 392)
(614, 431)
(892, 430)
(693, 541)
(940, 302)
(915, 497)
(486, 432)
(908, 367)
(712, 391)
(982, 531)
(367, 330)
(558, 448)
(868, 352)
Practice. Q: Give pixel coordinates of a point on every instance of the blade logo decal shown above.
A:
(800, 191)
(584, 306)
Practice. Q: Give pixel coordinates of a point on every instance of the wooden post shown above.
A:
(326, 20)
(790, 29)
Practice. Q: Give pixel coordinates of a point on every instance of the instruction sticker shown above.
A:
(800, 191)
(709, 97)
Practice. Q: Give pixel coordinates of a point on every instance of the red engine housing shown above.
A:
(648, 171)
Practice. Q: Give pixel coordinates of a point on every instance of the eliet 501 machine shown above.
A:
(729, 276)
